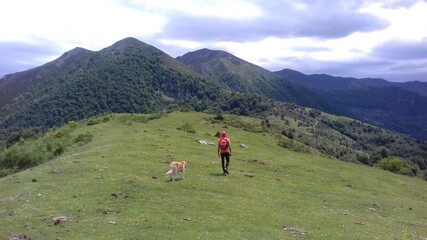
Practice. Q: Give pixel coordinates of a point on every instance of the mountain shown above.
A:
(129, 76)
(400, 107)
(242, 76)
(17, 88)
(14, 87)
(414, 86)
(113, 186)
(327, 82)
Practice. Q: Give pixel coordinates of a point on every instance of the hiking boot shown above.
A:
(226, 170)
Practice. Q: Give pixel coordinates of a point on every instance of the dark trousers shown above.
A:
(225, 157)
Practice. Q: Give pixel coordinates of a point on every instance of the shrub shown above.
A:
(25, 134)
(6, 171)
(398, 165)
(363, 158)
(58, 149)
(378, 154)
(187, 127)
(219, 117)
(24, 153)
(58, 134)
(93, 121)
(13, 138)
(21, 157)
(73, 124)
(314, 113)
(290, 134)
(294, 145)
(83, 138)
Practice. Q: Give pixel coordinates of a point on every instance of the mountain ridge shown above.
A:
(396, 106)
(242, 76)
(100, 76)
(336, 82)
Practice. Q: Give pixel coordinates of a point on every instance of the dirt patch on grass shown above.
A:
(19, 237)
(56, 171)
(295, 230)
(7, 213)
(102, 211)
(256, 161)
(249, 175)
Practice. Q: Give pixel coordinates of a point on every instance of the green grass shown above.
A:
(115, 187)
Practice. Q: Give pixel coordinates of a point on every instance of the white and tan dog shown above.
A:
(175, 168)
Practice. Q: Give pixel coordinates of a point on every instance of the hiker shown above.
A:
(224, 150)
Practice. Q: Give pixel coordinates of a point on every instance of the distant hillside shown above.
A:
(112, 185)
(395, 106)
(242, 76)
(389, 107)
(328, 82)
(415, 86)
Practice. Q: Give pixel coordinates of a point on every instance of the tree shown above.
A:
(378, 154)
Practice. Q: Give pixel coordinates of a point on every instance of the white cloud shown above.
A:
(213, 8)
(181, 43)
(304, 35)
(91, 24)
(406, 23)
(313, 54)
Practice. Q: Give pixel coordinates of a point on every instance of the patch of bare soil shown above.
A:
(256, 161)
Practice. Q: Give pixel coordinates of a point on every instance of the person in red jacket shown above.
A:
(224, 150)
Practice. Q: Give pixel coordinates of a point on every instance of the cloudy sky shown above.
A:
(349, 38)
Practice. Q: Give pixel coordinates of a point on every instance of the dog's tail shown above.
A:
(169, 172)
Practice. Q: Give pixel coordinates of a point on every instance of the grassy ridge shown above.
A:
(115, 188)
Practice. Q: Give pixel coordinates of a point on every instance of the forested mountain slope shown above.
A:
(395, 106)
(242, 76)
(129, 76)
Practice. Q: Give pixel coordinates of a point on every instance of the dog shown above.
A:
(175, 168)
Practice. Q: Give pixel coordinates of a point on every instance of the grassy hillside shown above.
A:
(115, 187)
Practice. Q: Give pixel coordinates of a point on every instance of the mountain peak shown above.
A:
(204, 55)
(130, 42)
(72, 54)
(212, 53)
